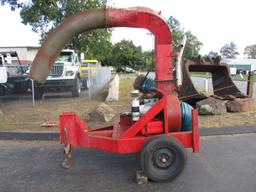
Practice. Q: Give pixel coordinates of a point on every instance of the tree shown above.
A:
(177, 32)
(148, 60)
(45, 15)
(126, 54)
(193, 45)
(250, 51)
(229, 50)
(212, 54)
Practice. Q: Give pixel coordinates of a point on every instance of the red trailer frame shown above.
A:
(126, 137)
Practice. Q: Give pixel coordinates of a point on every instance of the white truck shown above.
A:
(3, 70)
(64, 75)
(13, 76)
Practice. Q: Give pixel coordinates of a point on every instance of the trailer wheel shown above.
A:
(76, 89)
(162, 158)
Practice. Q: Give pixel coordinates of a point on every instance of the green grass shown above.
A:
(239, 78)
(201, 74)
(126, 85)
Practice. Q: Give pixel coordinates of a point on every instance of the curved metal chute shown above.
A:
(60, 37)
(87, 20)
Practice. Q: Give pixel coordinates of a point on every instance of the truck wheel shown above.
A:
(162, 158)
(38, 93)
(84, 85)
(76, 89)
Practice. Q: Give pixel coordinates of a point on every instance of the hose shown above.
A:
(186, 111)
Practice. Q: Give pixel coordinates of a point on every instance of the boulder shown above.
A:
(211, 106)
(102, 112)
(241, 105)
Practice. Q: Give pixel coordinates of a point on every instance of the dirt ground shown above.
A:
(19, 115)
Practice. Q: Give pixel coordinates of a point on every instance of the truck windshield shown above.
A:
(85, 64)
(65, 57)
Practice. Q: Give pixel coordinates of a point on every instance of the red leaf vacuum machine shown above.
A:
(156, 127)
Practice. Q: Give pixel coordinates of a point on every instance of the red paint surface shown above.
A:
(151, 20)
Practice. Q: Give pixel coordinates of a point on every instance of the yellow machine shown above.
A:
(89, 68)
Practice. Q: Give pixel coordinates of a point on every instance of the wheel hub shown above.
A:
(163, 158)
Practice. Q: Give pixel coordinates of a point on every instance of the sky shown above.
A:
(215, 23)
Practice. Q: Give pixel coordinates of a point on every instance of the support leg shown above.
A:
(68, 162)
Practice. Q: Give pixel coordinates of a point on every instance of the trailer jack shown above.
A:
(68, 162)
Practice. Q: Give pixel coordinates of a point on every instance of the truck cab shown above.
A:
(63, 76)
(13, 77)
(65, 67)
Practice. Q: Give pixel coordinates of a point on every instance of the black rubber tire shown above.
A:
(38, 93)
(76, 89)
(152, 165)
(84, 85)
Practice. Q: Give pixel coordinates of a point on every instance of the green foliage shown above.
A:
(43, 15)
(212, 54)
(229, 50)
(95, 44)
(14, 4)
(126, 54)
(148, 57)
(250, 51)
(177, 32)
(193, 45)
